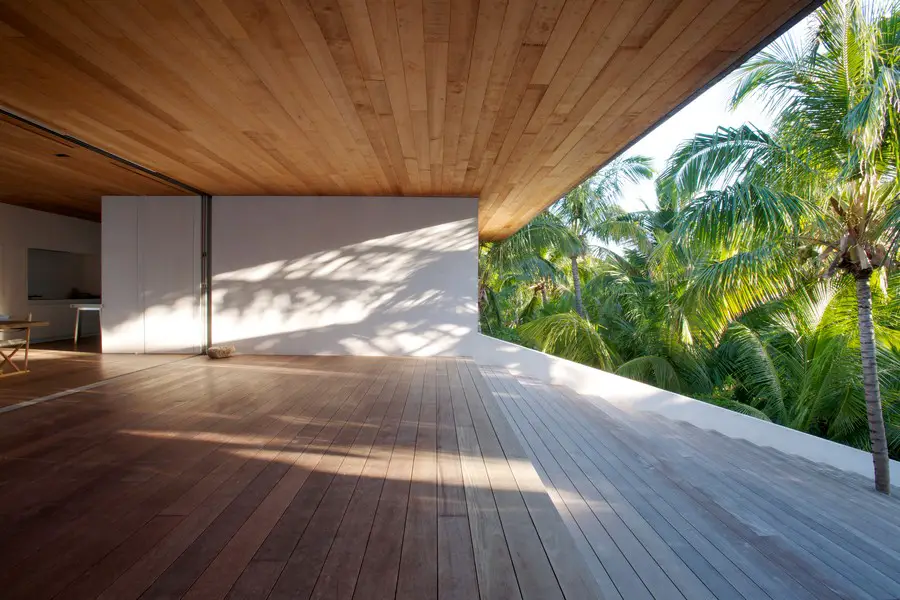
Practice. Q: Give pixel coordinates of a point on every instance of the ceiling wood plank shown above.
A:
(513, 101)
(45, 172)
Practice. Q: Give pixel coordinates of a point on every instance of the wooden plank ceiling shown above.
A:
(41, 171)
(511, 101)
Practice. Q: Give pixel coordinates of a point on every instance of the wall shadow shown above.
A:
(344, 275)
(365, 276)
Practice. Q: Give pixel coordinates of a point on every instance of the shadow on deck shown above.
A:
(347, 477)
(662, 509)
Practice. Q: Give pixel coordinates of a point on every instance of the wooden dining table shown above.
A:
(8, 366)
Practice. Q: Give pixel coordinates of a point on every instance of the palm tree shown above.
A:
(591, 211)
(791, 360)
(820, 191)
(524, 257)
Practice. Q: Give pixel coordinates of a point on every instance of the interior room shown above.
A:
(50, 235)
(49, 263)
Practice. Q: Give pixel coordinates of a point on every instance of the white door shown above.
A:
(169, 272)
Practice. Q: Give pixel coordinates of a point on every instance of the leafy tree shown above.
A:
(761, 282)
(591, 210)
(525, 257)
(818, 193)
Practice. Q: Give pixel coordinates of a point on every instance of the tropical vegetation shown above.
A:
(762, 281)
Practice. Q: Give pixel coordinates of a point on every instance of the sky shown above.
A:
(707, 112)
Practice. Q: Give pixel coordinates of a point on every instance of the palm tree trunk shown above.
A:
(870, 382)
(543, 294)
(576, 285)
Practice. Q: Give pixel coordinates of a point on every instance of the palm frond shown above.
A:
(568, 336)
(742, 213)
(655, 370)
(746, 357)
(730, 155)
(738, 407)
(723, 289)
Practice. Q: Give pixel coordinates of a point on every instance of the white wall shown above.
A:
(23, 228)
(633, 395)
(342, 275)
(151, 274)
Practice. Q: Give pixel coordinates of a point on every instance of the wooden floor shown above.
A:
(279, 477)
(58, 366)
(369, 478)
(665, 510)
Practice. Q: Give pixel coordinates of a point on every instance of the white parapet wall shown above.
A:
(633, 395)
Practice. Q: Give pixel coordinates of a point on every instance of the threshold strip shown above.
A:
(83, 388)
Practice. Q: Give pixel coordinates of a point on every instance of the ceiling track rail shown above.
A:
(206, 270)
(114, 157)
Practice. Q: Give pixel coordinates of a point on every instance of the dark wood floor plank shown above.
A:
(228, 566)
(417, 577)
(78, 542)
(378, 573)
(183, 573)
(274, 477)
(85, 450)
(339, 575)
(145, 572)
(176, 500)
(305, 562)
(146, 458)
(493, 561)
(59, 366)
(457, 579)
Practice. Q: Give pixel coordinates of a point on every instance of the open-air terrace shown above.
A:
(352, 477)
(312, 186)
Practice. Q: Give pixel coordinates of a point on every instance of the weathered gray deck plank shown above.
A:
(696, 516)
(714, 581)
(841, 549)
(695, 495)
(566, 562)
(766, 532)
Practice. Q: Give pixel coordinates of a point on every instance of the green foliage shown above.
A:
(655, 370)
(739, 289)
(568, 336)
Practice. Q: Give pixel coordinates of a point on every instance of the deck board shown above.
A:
(276, 477)
(58, 366)
(384, 478)
(742, 520)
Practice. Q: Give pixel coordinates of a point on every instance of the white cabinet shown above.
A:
(151, 274)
